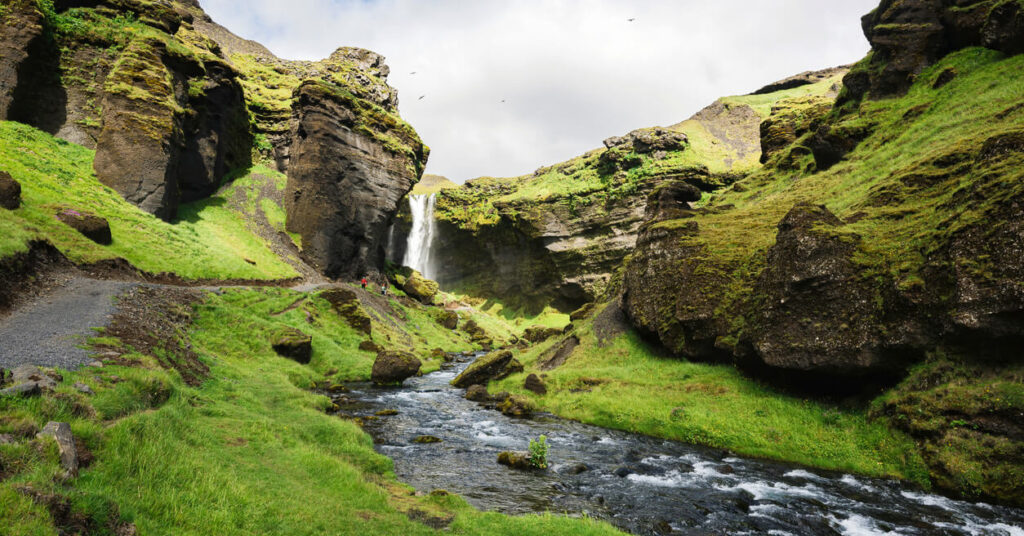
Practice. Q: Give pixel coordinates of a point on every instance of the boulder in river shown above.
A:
(515, 460)
(427, 439)
(10, 192)
(90, 226)
(493, 366)
(293, 344)
(516, 406)
(477, 393)
(392, 366)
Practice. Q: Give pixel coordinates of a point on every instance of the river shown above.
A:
(640, 484)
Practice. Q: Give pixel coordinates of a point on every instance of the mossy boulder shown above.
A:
(346, 303)
(477, 334)
(493, 366)
(515, 460)
(10, 192)
(293, 344)
(516, 406)
(89, 225)
(447, 319)
(534, 384)
(477, 393)
(537, 334)
(421, 288)
(394, 367)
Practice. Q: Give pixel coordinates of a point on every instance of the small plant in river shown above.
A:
(539, 452)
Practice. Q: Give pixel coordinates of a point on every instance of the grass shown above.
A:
(210, 239)
(628, 386)
(250, 451)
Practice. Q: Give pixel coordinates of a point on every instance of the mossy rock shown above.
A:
(516, 406)
(493, 366)
(447, 319)
(293, 344)
(393, 367)
(537, 334)
(515, 460)
(421, 288)
(427, 439)
(346, 303)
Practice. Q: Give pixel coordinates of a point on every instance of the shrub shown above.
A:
(539, 452)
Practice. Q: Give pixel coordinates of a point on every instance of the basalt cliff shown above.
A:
(848, 232)
(175, 106)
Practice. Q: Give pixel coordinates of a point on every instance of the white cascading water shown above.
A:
(421, 238)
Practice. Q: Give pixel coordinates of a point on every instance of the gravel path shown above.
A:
(48, 330)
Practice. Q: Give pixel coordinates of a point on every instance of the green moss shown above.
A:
(210, 240)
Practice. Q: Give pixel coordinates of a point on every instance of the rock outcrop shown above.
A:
(907, 36)
(351, 163)
(10, 192)
(493, 366)
(21, 34)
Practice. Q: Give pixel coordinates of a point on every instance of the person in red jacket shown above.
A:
(364, 283)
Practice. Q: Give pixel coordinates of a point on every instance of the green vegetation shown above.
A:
(210, 240)
(624, 384)
(539, 452)
(249, 451)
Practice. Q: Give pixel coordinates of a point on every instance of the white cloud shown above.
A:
(571, 72)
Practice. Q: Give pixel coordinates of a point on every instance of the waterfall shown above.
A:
(421, 238)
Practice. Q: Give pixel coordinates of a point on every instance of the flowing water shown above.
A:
(421, 237)
(640, 484)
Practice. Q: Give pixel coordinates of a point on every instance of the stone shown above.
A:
(493, 366)
(23, 390)
(477, 393)
(61, 433)
(420, 288)
(534, 384)
(802, 79)
(427, 439)
(392, 366)
(515, 460)
(345, 179)
(33, 374)
(447, 319)
(83, 388)
(370, 346)
(90, 226)
(622, 472)
(386, 413)
(579, 468)
(293, 344)
(21, 35)
(516, 406)
(10, 192)
(537, 334)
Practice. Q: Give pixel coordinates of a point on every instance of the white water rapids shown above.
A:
(421, 238)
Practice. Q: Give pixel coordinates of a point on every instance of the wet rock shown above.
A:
(533, 383)
(427, 439)
(293, 344)
(420, 288)
(10, 192)
(578, 469)
(83, 388)
(622, 472)
(726, 470)
(516, 406)
(515, 460)
(90, 226)
(392, 366)
(61, 433)
(477, 393)
(537, 334)
(493, 366)
(345, 179)
(387, 413)
(663, 527)
(346, 303)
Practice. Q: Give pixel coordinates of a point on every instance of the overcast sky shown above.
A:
(570, 72)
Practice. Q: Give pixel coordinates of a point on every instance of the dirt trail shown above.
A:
(49, 329)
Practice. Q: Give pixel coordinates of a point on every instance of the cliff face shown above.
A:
(559, 236)
(881, 236)
(173, 103)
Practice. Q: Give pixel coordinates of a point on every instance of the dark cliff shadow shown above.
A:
(40, 99)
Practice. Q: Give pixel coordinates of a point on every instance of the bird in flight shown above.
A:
(421, 97)
(630, 20)
(414, 72)
(502, 100)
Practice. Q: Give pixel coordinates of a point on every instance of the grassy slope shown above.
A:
(250, 451)
(209, 240)
(713, 405)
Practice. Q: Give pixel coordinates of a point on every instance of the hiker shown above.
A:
(364, 283)
(384, 289)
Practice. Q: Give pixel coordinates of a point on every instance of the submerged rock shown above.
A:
(10, 192)
(392, 366)
(427, 439)
(493, 366)
(293, 344)
(90, 226)
(515, 460)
